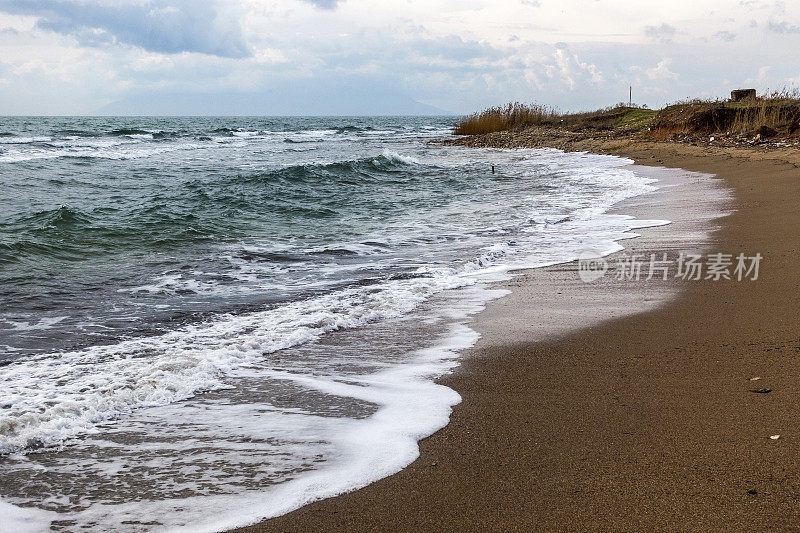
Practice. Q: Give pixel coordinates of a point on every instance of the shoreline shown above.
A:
(615, 465)
(551, 302)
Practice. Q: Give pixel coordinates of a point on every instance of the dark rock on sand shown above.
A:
(766, 132)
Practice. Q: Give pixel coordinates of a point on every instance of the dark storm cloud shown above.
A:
(166, 26)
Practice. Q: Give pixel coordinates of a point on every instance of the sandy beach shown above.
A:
(646, 420)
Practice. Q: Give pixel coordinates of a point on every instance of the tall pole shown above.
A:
(630, 96)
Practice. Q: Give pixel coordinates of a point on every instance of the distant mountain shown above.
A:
(319, 99)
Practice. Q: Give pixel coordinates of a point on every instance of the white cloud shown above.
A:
(662, 71)
(761, 79)
(570, 70)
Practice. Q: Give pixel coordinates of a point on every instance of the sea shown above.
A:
(209, 321)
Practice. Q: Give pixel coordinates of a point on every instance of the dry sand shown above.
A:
(642, 421)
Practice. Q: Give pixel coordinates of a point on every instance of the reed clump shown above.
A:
(504, 118)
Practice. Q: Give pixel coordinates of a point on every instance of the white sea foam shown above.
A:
(15, 519)
(245, 133)
(394, 156)
(114, 149)
(43, 323)
(410, 406)
(24, 140)
(49, 399)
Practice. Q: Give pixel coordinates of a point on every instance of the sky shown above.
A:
(79, 57)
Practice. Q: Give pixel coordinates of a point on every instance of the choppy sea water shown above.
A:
(206, 321)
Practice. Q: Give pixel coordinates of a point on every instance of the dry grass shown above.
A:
(511, 117)
(778, 111)
(770, 114)
(519, 116)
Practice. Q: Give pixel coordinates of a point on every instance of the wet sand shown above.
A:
(646, 420)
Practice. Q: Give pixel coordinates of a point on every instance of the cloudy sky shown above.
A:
(92, 56)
